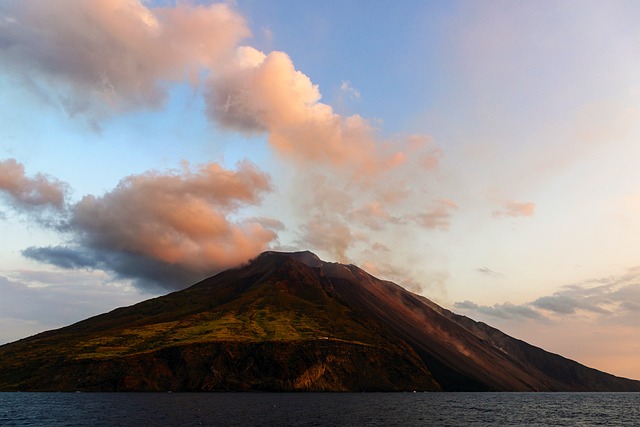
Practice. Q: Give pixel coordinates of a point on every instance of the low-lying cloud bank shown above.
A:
(615, 298)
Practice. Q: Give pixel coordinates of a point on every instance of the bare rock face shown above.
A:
(289, 322)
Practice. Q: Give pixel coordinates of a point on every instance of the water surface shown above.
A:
(319, 409)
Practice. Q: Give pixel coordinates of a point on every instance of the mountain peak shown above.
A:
(334, 270)
(306, 257)
(289, 321)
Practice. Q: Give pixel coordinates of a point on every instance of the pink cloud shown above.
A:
(328, 234)
(374, 216)
(347, 175)
(167, 229)
(515, 209)
(114, 52)
(25, 192)
(264, 92)
(178, 218)
(438, 217)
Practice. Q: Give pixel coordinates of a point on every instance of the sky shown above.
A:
(482, 154)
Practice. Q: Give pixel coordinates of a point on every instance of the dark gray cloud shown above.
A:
(147, 273)
(504, 311)
(62, 256)
(567, 303)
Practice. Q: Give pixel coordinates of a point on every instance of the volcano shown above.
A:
(289, 322)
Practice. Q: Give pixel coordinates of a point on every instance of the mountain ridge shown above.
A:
(284, 322)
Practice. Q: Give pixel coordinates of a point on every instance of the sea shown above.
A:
(319, 409)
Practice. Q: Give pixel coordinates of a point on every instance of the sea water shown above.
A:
(319, 409)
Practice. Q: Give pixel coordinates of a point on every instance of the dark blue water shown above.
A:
(319, 409)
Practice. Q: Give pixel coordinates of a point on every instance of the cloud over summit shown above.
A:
(166, 228)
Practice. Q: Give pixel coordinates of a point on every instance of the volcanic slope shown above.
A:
(287, 322)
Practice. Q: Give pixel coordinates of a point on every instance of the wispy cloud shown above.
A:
(349, 91)
(438, 217)
(515, 209)
(329, 234)
(503, 311)
(611, 299)
(488, 272)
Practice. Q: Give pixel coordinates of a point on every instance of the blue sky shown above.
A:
(483, 154)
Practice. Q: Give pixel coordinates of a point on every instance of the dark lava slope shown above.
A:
(285, 322)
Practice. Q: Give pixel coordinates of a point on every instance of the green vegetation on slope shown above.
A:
(294, 309)
(262, 327)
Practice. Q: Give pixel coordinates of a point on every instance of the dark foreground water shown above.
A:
(319, 409)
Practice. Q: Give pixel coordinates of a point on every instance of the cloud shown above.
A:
(113, 52)
(438, 217)
(564, 303)
(146, 272)
(32, 301)
(578, 321)
(515, 209)
(265, 93)
(63, 256)
(613, 299)
(504, 311)
(167, 229)
(111, 56)
(348, 90)
(347, 177)
(374, 216)
(328, 234)
(23, 192)
(402, 276)
(423, 148)
(488, 272)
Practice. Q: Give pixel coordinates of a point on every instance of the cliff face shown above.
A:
(289, 322)
(315, 365)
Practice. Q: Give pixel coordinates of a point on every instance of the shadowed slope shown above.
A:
(463, 354)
